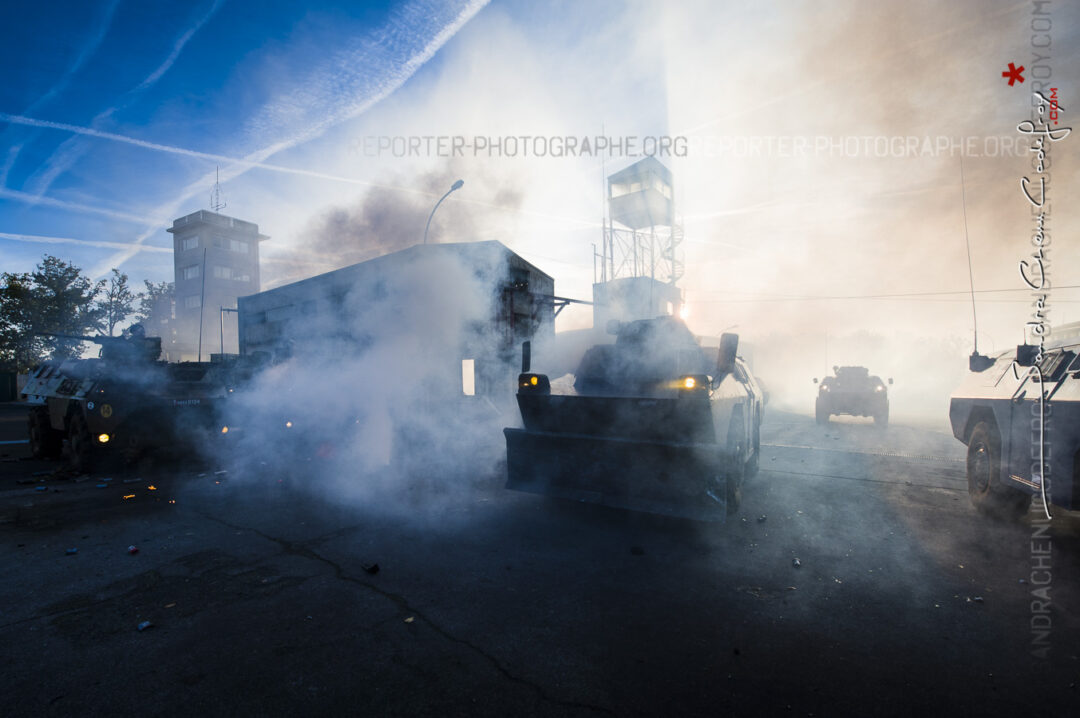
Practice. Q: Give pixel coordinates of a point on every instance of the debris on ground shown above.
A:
(410, 619)
(372, 568)
(42, 488)
(637, 551)
(761, 519)
(144, 625)
(132, 481)
(796, 562)
(133, 549)
(71, 552)
(102, 486)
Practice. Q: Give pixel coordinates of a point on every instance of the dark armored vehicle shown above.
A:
(124, 402)
(1013, 439)
(852, 391)
(651, 424)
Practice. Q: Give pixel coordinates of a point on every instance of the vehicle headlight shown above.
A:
(879, 388)
(691, 383)
(534, 383)
(103, 438)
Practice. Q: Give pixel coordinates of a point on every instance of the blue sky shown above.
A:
(115, 114)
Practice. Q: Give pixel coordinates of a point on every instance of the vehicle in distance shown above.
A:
(852, 390)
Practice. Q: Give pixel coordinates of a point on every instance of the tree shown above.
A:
(56, 297)
(156, 307)
(116, 302)
(18, 347)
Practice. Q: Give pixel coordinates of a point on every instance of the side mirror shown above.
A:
(526, 356)
(725, 358)
(815, 380)
(1026, 353)
(890, 380)
(614, 326)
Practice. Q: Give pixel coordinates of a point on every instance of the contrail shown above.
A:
(76, 206)
(64, 156)
(178, 48)
(332, 119)
(87, 51)
(39, 239)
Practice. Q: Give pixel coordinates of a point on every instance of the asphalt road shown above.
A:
(263, 597)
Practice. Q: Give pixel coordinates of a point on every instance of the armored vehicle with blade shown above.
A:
(652, 423)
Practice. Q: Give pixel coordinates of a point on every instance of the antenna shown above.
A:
(971, 276)
(976, 362)
(217, 202)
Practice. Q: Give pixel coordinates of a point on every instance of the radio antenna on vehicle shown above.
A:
(976, 362)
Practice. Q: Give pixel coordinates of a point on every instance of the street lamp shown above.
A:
(456, 186)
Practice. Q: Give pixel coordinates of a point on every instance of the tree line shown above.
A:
(58, 298)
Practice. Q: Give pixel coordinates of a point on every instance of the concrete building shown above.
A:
(355, 307)
(216, 260)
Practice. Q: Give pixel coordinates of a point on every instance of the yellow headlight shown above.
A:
(103, 438)
(224, 430)
(689, 383)
(288, 424)
(533, 380)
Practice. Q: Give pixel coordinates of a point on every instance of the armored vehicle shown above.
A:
(124, 402)
(852, 391)
(1014, 440)
(651, 423)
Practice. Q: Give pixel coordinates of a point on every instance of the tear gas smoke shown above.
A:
(373, 390)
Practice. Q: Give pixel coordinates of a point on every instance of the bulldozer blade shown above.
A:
(672, 479)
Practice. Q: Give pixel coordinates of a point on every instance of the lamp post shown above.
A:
(456, 186)
(221, 327)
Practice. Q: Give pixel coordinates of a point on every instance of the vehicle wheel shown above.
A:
(736, 473)
(80, 445)
(754, 464)
(821, 413)
(987, 492)
(882, 419)
(45, 442)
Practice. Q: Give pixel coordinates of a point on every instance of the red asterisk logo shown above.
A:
(1014, 73)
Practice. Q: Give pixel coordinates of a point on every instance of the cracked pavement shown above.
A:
(495, 603)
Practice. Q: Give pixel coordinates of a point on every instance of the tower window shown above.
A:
(190, 272)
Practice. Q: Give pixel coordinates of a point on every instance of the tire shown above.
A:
(80, 445)
(985, 488)
(736, 474)
(45, 442)
(820, 413)
(754, 464)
